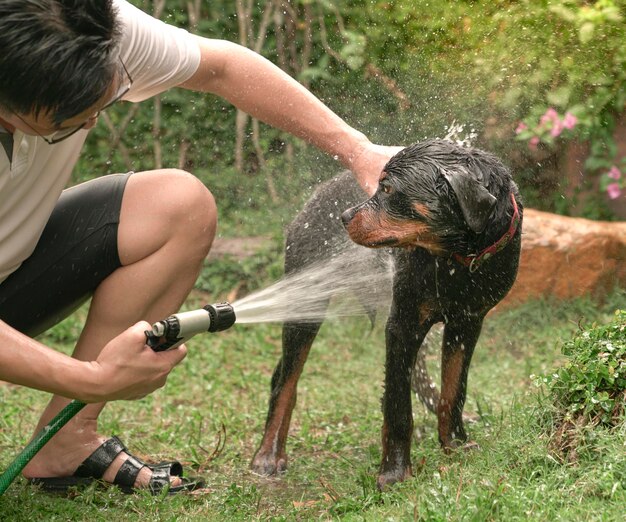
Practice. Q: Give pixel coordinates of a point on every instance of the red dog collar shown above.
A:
(473, 261)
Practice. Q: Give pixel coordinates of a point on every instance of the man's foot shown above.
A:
(110, 462)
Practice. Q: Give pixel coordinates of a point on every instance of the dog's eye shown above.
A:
(386, 188)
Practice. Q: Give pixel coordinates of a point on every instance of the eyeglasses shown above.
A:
(63, 134)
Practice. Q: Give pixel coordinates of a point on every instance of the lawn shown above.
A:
(211, 415)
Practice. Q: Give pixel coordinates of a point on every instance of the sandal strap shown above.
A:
(127, 474)
(174, 467)
(99, 461)
(159, 480)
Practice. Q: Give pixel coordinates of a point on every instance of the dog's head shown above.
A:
(433, 195)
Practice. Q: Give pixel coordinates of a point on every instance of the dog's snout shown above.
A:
(347, 216)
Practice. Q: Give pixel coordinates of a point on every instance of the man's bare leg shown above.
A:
(167, 224)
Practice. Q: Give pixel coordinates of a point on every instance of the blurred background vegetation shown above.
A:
(541, 83)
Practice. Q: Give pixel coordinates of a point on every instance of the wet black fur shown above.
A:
(426, 289)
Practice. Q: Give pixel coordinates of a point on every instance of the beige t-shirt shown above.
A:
(157, 57)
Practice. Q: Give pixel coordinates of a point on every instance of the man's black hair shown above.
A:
(56, 56)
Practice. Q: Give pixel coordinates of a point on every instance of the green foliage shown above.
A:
(593, 381)
(565, 57)
(221, 276)
(486, 65)
(547, 53)
(558, 67)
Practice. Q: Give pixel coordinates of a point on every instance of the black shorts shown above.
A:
(76, 252)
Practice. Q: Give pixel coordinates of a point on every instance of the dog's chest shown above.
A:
(445, 287)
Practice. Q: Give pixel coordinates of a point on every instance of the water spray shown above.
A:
(301, 296)
(166, 334)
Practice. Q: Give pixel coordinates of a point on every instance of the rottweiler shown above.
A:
(450, 219)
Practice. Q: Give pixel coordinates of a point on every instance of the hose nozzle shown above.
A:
(179, 328)
(222, 316)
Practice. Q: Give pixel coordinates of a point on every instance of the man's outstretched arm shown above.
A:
(261, 89)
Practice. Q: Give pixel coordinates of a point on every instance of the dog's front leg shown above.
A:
(459, 339)
(402, 345)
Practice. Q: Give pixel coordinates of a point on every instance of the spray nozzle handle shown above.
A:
(163, 336)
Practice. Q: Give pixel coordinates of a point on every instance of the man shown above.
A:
(135, 243)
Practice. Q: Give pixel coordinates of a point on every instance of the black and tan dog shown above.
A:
(450, 218)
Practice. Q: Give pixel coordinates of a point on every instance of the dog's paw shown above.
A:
(268, 465)
(454, 445)
(470, 446)
(388, 477)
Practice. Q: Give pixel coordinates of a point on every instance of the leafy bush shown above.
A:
(593, 382)
(587, 396)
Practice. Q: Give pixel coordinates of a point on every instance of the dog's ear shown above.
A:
(475, 200)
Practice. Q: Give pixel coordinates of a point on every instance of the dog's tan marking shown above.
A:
(374, 230)
(451, 370)
(277, 429)
(426, 311)
(362, 225)
(422, 209)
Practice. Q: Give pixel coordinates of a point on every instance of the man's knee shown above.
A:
(175, 204)
(191, 206)
(187, 196)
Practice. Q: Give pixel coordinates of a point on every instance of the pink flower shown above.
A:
(557, 128)
(570, 121)
(550, 116)
(533, 142)
(614, 173)
(613, 190)
(521, 127)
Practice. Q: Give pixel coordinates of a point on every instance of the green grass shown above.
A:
(211, 415)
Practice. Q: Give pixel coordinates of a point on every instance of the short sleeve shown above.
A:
(157, 56)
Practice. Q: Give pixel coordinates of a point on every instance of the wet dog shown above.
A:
(450, 219)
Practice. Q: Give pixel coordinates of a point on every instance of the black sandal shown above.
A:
(94, 466)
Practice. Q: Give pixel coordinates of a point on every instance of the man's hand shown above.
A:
(129, 369)
(367, 164)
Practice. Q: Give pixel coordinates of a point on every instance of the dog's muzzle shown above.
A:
(348, 215)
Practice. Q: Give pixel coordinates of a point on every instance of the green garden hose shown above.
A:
(38, 442)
